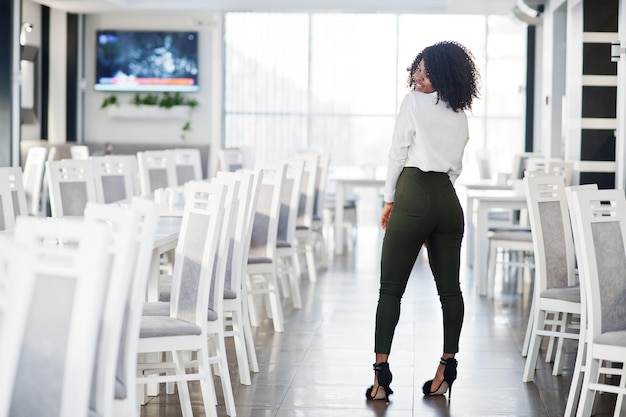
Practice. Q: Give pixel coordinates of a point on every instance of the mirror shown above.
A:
(30, 84)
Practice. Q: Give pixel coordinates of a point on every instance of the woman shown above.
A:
(421, 206)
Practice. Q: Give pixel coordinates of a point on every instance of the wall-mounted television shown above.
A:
(141, 60)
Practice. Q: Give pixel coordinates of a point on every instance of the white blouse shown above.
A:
(427, 135)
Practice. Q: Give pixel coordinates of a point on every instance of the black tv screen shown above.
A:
(131, 60)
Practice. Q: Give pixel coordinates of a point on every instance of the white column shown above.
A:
(57, 129)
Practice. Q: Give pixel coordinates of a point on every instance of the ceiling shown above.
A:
(380, 6)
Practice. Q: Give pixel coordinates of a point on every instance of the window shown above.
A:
(335, 81)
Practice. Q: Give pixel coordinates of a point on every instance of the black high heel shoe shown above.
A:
(384, 378)
(449, 376)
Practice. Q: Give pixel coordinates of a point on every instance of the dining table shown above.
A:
(478, 204)
(343, 183)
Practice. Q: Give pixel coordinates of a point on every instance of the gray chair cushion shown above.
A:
(229, 294)
(155, 326)
(566, 294)
(259, 260)
(282, 244)
(612, 339)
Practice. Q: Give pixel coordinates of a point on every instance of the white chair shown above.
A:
(555, 292)
(16, 288)
(230, 159)
(156, 170)
(79, 152)
(305, 235)
(58, 351)
(7, 217)
(600, 227)
(123, 225)
(237, 318)
(185, 328)
(288, 267)
(188, 165)
(321, 182)
(261, 267)
(126, 374)
(114, 177)
(579, 364)
(34, 166)
(72, 185)
(16, 184)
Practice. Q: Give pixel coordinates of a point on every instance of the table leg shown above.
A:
(340, 200)
(481, 242)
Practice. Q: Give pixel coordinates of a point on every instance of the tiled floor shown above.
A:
(321, 365)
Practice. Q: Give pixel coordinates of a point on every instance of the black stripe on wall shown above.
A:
(597, 145)
(600, 15)
(597, 59)
(6, 80)
(599, 102)
(45, 70)
(72, 78)
(605, 180)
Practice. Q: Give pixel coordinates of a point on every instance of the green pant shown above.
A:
(426, 209)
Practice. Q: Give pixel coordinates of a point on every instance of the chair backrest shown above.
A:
(79, 152)
(123, 225)
(553, 242)
(34, 166)
(289, 201)
(114, 177)
(520, 164)
(561, 168)
(60, 336)
(156, 170)
(16, 288)
(16, 183)
(249, 187)
(230, 159)
(7, 217)
(600, 226)
(195, 255)
(226, 246)
(72, 185)
(265, 225)
(148, 215)
(187, 164)
(307, 190)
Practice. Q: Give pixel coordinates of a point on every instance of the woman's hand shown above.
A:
(384, 219)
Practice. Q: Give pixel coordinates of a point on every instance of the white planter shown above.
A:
(130, 111)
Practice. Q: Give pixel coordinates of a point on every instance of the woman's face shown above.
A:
(422, 82)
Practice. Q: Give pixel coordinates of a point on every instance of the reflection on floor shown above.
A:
(322, 364)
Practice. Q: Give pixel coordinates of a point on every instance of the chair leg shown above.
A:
(491, 269)
(275, 304)
(533, 352)
(310, 262)
(240, 348)
(222, 363)
(529, 328)
(247, 336)
(587, 395)
(183, 387)
(206, 382)
(254, 320)
(577, 377)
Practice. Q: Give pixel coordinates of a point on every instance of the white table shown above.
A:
(479, 202)
(469, 225)
(342, 185)
(166, 238)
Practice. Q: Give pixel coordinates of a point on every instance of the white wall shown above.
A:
(101, 127)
